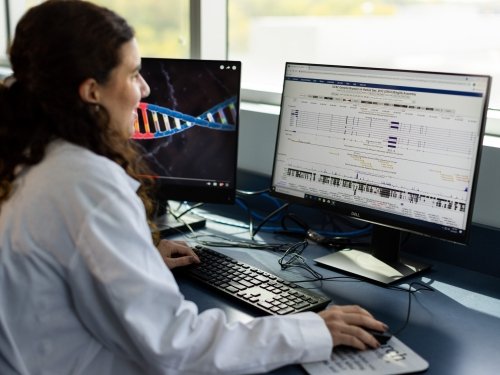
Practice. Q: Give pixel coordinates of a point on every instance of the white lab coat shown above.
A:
(84, 290)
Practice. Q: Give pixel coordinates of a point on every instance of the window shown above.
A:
(10, 12)
(440, 35)
(3, 35)
(162, 27)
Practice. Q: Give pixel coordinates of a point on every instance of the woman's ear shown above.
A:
(89, 91)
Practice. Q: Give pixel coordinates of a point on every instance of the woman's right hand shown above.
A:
(346, 324)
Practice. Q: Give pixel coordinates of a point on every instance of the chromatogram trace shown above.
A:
(351, 188)
(154, 121)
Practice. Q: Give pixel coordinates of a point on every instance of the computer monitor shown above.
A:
(396, 148)
(187, 130)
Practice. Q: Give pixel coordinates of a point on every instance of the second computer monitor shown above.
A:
(187, 128)
(396, 148)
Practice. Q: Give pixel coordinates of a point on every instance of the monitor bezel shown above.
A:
(174, 189)
(381, 218)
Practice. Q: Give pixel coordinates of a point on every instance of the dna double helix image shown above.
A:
(155, 121)
(186, 127)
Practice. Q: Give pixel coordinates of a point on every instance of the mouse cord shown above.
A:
(411, 290)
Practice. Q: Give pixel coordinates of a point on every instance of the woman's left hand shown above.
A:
(177, 253)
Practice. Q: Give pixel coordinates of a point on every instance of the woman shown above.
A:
(84, 289)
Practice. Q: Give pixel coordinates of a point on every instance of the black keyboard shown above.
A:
(252, 286)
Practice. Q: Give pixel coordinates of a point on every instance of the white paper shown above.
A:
(390, 359)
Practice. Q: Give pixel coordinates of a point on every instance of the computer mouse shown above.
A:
(381, 337)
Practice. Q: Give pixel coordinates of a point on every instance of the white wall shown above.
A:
(487, 204)
(258, 126)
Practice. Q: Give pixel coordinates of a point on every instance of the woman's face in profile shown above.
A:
(122, 92)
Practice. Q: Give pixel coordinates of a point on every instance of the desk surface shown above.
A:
(455, 328)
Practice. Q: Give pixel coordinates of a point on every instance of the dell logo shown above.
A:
(355, 214)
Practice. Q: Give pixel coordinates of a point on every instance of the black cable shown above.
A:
(250, 244)
(410, 294)
(293, 258)
(251, 214)
(266, 219)
(186, 211)
(422, 287)
(330, 278)
(338, 241)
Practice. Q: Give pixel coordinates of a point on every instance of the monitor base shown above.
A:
(364, 265)
(168, 225)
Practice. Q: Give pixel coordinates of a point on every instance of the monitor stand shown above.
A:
(168, 223)
(383, 264)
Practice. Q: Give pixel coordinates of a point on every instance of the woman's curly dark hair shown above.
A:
(57, 46)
